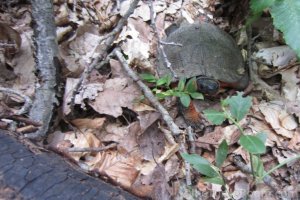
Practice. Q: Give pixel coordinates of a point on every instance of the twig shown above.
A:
(27, 100)
(148, 94)
(268, 180)
(92, 149)
(187, 166)
(160, 48)
(167, 134)
(108, 43)
(21, 119)
(191, 139)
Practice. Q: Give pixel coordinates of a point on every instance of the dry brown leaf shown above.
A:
(272, 114)
(24, 66)
(125, 136)
(116, 95)
(80, 140)
(259, 126)
(151, 143)
(85, 123)
(120, 168)
(283, 155)
(172, 167)
(243, 153)
(294, 143)
(290, 81)
(263, 192)
(147, 119)
(89, 91)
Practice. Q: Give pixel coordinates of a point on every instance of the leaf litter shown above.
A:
(110, 109)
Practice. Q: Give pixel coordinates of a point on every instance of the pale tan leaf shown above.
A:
(85, 123)
(272, 113)
(116, 95)
(120, 168)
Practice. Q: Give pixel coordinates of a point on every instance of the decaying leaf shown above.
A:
(272, 113)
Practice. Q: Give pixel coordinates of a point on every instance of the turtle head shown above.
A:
(208, 86)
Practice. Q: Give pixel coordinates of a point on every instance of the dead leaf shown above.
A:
(86, 123)
(125, 136)
(80, 140)
(294, 143)
(259, 126)
(290, 81)
(272, 114)
(116, 95)
(122, 169)
(151, 143)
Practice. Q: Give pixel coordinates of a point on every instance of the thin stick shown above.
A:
(268, 180)
(160, 47)
(92, 149)
(187, 166)
(191, 139)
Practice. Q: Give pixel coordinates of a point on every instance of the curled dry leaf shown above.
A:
(261, 126)
(290, 79)
(294, 143)
(23, 65)
(86, 123)
(272, 113)
(118, 94)
(90, 91)
(122, 169)
(80, 140)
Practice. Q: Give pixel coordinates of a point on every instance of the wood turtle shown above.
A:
(208, 53)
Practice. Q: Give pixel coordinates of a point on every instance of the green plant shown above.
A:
(185, 90)
(234, 109)
(286, 18)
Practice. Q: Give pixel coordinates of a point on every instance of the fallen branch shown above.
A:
(27, 101)
(148, 94)
(46, 54)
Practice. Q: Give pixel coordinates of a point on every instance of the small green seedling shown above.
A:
(234, 109)
(185, 90)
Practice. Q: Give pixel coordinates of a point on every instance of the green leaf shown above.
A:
(178, 94)
(221, 153)
(181, 84)
(196, 95)
(214, 116)
(257, 6)
(191, 85)
(200, 164)
(162, 95)
(239, 105)
(252, 144)
(168, 80)
(185, 99)
(216, 180)
(262, 136)
(286, 17)
(163, 80)
(148, 77)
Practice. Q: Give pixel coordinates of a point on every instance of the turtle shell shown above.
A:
(205, 50)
